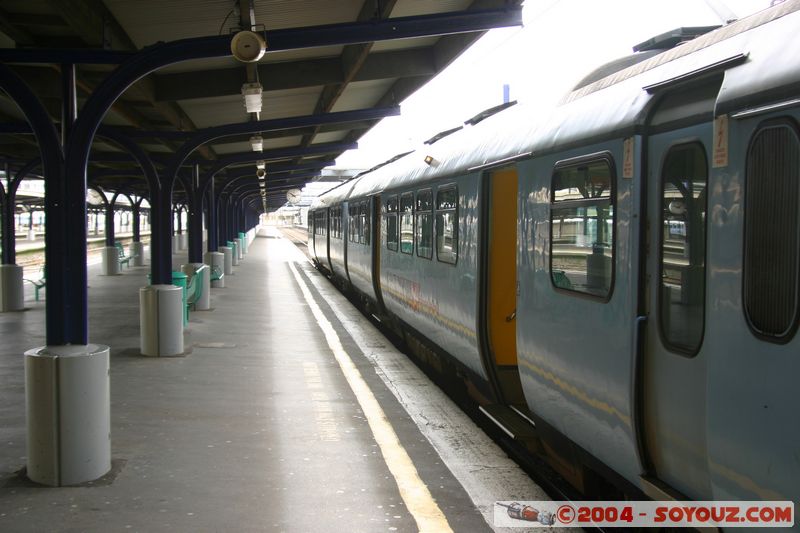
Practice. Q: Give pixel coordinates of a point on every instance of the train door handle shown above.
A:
(512, 316)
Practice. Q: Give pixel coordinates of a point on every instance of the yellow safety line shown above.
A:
(415, 493)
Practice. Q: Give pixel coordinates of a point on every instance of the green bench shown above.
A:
(124, 259)
(38, 283)
(216, 273)
(561, 280)
(194, 289)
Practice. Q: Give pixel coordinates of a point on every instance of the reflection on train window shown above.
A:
(425, 224)
(447, 225)
(363, 214)
(353, 223)
(319, 222)
(683, 247)
(336, 222)
(407, 223)
(771, 231)
(582, 227)
(390, 222)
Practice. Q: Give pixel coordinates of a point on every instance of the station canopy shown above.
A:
(315, 101)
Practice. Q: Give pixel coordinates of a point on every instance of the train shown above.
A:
(614, 280)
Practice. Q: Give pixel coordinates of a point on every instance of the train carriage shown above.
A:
(621, 273)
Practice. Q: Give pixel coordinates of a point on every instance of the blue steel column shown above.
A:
(74, 246)
(195, 221)
(7, 220)
(110, 227)
(213, 236)
(136, 212)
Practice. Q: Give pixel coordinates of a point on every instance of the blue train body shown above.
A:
(655, 294)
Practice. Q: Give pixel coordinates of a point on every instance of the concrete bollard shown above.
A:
(136, 251)
(12, 289)
(227, 251)
(234, 245)
(216, 260)
(161, 320)
(68, 406)
(110, 266)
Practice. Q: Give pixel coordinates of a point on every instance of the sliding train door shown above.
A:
(674, 365)
(500, 285)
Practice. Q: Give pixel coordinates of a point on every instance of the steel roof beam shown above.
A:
(293, 74)
(298, 38)
(13, 31)
(353, 57)
(281, 153)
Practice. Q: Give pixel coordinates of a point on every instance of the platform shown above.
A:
(259, 427)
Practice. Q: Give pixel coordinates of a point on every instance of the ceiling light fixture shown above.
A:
(252, 97)
(257, 143)
(261, 165)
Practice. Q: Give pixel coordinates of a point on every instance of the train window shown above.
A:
(319, 222)
(407, 223)
(337, 220)
(582, 226)
(683, 247)
(352, 223)
(447, 225)
(363, 214)
(424, 236)
(771, 235)
(390, 222)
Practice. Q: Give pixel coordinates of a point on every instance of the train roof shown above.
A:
(759, 66)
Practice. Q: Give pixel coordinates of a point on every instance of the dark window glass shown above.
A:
(407, 223)
(683, 246)
(390, 221)
(363, 215)
(447, 225)
(771, 231)
(582, 228)
(355, 223)
(424, 224)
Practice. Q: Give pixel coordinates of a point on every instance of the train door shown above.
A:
(500, 285)
(329, 213)
(674, 365)
(374, 230)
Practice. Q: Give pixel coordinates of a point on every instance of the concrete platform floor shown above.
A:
(259, 427)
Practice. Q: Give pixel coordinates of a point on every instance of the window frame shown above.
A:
(388, 214)
(671, 346)
(401, 214)
(454, 210)
(417, 226)
(586, 159)
(366, 221)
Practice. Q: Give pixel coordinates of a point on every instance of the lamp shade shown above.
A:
(252, 97)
